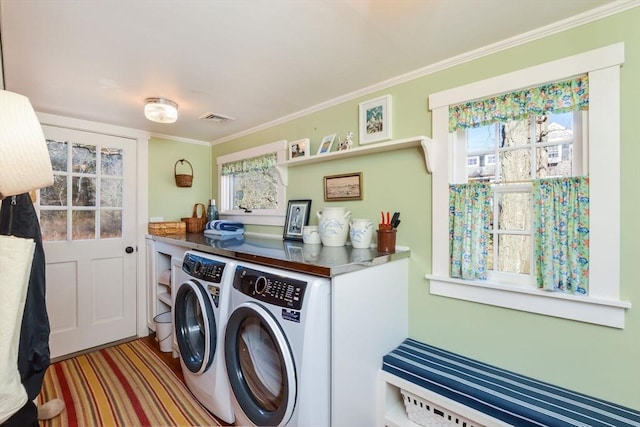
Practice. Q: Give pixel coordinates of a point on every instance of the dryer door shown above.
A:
(195, 326)
(260, 366)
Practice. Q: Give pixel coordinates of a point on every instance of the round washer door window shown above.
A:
(260, 366)
(195, 326)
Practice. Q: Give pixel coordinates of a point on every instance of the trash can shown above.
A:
(164, 331)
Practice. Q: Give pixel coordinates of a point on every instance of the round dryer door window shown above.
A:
(260, 366)
(195, 326)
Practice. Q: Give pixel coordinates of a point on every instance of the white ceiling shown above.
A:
(254, 60)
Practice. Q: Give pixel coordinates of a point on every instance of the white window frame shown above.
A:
(256, 216)
(603, 305)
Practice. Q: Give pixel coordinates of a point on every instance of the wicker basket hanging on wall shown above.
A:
(183, 180)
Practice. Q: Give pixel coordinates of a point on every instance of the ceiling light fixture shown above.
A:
(160, 110)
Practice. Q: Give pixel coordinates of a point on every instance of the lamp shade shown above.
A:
(160, 110)
(24, 158)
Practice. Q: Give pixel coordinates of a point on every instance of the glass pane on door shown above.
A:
(85, 201)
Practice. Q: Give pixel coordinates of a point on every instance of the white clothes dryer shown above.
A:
(277, 348)
(200, 310)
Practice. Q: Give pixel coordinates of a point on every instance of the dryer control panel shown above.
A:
(270, 288)
(205, 269)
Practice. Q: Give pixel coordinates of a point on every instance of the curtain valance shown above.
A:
(254, 164)
(557, 97)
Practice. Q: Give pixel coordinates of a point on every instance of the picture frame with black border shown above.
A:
(374, 120)
(326, 144)
(343, 187)
(298, 212)
(299, 149)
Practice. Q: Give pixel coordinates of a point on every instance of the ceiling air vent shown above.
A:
(216, 118)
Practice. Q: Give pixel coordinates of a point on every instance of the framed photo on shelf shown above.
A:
(297, 217)
(375, 120)
(343, 187)
(299, 149)
(326, 144)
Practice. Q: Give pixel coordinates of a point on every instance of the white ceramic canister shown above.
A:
(361, 233)
(333, 225)
(310, 234)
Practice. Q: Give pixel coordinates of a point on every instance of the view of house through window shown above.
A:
(510, 155)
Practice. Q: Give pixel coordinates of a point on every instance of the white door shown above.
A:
(88, 227)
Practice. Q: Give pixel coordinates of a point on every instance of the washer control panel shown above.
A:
(202, 268)
(270, 288)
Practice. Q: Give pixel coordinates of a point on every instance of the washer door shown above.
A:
(195, 326)
(260, 366)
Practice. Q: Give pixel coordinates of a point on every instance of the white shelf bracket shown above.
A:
(427, 149)
(283, 174)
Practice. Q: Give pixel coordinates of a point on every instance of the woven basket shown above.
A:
(195, 224)
(167, 227)
(183, 180)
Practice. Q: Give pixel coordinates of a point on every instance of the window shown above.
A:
(527, 149)
(251, 186)
(85, 201)
(602, 305)
(473, 161)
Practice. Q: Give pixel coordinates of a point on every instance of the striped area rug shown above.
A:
(126, 385)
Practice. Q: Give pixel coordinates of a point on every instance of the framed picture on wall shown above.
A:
(375, 120)
(343, 187)
(297, 217)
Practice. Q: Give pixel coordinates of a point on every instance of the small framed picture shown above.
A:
(343, 187)
(375, 120)
(297, 217)
(299, 148)
(325, 145)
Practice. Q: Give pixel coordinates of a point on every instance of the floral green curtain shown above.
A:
(254, 164)
(469, 222)
(561, 226)
(558, 97)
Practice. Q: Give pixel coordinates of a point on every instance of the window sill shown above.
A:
(583, 309)
(255, 218)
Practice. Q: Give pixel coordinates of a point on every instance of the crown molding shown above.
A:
(548, 30)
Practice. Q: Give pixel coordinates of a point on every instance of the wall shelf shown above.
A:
(394, 144)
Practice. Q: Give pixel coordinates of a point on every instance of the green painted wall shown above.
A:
(596, 360)
(166, 199)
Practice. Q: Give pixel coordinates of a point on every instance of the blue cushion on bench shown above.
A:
(509, 397)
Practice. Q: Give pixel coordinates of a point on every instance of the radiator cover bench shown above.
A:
(511, 398)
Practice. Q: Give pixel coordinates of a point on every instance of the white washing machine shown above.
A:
(200, 311)
(277, 348)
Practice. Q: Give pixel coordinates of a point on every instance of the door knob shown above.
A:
(129, 249)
